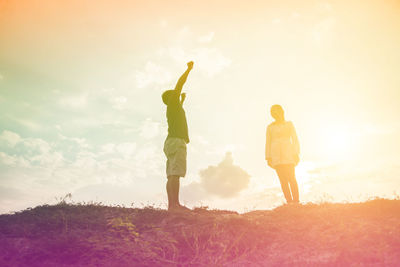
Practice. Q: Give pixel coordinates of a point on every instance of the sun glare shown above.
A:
(336, 143)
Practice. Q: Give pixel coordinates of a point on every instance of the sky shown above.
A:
(81, 110)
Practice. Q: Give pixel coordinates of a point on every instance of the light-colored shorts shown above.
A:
(175, 150)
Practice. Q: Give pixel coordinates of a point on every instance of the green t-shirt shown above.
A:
(176, 117)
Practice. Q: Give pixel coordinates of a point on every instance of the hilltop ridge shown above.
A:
(325, 234)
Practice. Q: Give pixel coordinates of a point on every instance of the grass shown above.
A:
(327, 234)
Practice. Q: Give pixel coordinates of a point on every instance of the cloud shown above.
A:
(323, 30)
(224, 180)
(208, 60)
(75, 101)
(193, 193)
(119, 102)
(28, 152)
(206, 38)
(6, 159)
(28, 124)
(324, 7)
(10, 138)
(9, 198)
(115, 98)
(81, 142)
(276, 21)
(152, 74)
(107, 148)
(184, 47)
(126, 149)
(149, 129)
(295, 15)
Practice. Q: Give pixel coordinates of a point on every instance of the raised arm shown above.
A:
(182, 79)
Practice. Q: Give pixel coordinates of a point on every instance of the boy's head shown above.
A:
(165, 96)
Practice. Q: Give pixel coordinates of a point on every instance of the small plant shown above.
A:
(124, 227)
(63, 200)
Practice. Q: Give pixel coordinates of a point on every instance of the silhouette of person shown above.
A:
(175, 143)
(282, 152)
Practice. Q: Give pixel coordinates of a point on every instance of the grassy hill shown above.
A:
(305, 235)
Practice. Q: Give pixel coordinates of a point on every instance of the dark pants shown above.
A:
(288, 181)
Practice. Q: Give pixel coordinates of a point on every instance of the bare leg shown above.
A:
(281, 170)
(173, 191)
(169, 193)
(294, 188)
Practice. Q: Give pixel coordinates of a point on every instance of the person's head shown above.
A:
(165, 96)
(277, 113)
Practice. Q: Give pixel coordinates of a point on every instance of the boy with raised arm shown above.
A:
(175, 143)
